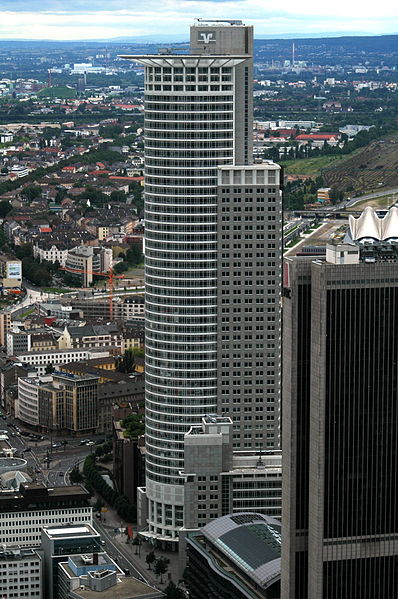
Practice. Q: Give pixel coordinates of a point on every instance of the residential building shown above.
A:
(21, 573)
(41, 359)
(340, 420)
(198, 120)
(92, 336)
(23, 513)
(51, 253)
(235, 557)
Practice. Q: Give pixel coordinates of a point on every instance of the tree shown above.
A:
(150, 558)
(75, 475)
(137, 544)
(134, 255)
(5, 208)
(160, 567)
(118, 196)
(172, 591)
(31, 192)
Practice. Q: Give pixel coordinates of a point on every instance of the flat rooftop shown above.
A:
(128, 588)
(70, 531)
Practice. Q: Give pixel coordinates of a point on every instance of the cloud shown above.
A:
(79, 19)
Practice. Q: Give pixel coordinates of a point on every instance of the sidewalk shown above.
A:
(137, 554)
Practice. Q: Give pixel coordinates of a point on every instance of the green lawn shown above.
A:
(313, 166)
(57, 92)
(309, 166)
(55, 290)
(28, 312)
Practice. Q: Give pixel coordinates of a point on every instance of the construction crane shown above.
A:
(110, 283)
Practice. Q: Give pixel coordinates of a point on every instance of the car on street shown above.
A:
(60, 473)
(56, 445)
(84, 441)
(90, 443)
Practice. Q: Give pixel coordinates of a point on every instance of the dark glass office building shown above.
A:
(340, 428)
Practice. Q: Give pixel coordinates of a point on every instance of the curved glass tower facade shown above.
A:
(197, 117)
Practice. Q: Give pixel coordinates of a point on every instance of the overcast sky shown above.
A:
(106, 19)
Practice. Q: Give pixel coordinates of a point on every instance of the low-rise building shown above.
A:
(97, 576)
(42, 359)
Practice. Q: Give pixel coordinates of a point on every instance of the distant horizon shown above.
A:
(154, 39)
(106, 20)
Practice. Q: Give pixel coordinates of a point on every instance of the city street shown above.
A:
(62, 459)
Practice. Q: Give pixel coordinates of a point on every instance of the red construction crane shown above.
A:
(109, 275)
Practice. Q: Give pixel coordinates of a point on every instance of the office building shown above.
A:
(20, 573)
(84, 261)
(340, 420)
(69, 403)
(198, 159)
(235, 557)
(25, 512)
(97, 576)
(58, 543)
(219, 480)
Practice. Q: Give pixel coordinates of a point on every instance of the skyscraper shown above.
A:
(200, 233)
(340, 418)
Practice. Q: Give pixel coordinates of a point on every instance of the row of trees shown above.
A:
(119, 502)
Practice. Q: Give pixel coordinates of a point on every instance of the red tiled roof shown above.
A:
(116, 178)
(317, 136)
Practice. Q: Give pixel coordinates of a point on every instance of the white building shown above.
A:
(20, 573)
(19, 170)
(27, 401)
(23, 514)
(54, 357)
(51, 254)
